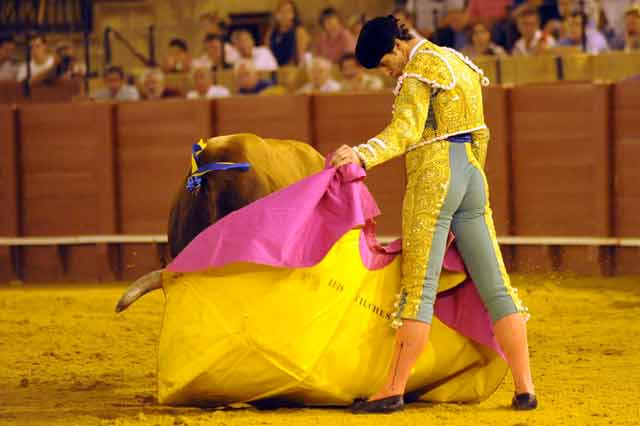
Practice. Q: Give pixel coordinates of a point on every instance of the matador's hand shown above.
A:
(345, 155)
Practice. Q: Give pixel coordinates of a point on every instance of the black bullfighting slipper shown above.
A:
(524, 401)
(385, 405)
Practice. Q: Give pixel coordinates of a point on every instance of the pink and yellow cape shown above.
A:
(291, 298)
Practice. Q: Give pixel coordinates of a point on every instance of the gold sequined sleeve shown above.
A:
(480, 145)
(410, 110)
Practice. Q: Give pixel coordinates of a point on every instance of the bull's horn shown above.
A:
(149, 282)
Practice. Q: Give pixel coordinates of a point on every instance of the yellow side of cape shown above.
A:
(317, 336)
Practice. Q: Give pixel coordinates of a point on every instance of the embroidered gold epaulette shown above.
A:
(431, 68)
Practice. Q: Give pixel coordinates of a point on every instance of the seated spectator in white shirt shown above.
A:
(8, 63)
(153, 86)
(481, 44)
(67, 65)
(355, 78)
(247, 80)
(41, 61)
(532, 41)
(179, 58)
(246, 48)
(631, 40)
(596, 42)
(116, 88)
(214, 57)
(203, 87)
(320, 78)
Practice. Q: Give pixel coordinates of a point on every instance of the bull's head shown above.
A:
(224, 183)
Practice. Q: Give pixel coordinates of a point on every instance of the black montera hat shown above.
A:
(377, 38)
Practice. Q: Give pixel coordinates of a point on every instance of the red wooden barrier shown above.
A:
(561, 170)
(9, 222)
(66, 186)
(10, 92)
(154, 142)
(626, 205)
(496, 111)
(351, 120)
(280, 117)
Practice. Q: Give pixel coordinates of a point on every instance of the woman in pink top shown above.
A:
(335, 39)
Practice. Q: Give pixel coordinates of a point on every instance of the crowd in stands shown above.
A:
(325, 57)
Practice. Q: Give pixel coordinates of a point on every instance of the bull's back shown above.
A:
(277, 162)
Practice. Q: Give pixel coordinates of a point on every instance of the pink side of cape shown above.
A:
(296, 227)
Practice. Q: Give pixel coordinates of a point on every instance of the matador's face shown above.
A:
(393, 63)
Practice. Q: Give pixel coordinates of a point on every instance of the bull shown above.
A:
(273, 164)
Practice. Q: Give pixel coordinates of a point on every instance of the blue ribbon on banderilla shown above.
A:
(198, 172)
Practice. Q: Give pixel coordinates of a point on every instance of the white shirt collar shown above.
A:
(415, 49)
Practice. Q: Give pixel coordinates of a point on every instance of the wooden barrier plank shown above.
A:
(351, 120)
(139, 259)
(498, 165)
(279, 117)
(533, 259)
(626, 123)
(561, 164)
(626, 261)
(561, 157)
(590, 260)
(9, 92)
(9, 217)
(626, 202)
(154, 148)
(64, 189)
(153, 154)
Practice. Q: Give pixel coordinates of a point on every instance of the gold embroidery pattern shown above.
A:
(457, 108)
(428, 177)
(410, 110)
(480, 144)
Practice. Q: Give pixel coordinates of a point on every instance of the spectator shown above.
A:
(320, 78)
(66, 64)
(505, 31)
(334, 40)
(204, 87)
(546, 10)
(8, 63)
(489, 11)
(213, 23)
(245, 45)
(430, 13)
(404, 18)
(178, 59)
(214, 57)
(288, 40)
(355, 24)
(454, 31)
(631, 40)
(614, 12)
(596, 42)
(115, 87)
(247, 80)
(481, 43)
(153, 86)
(532, 41)
(559, 27)
(42, 63)
(355, 78)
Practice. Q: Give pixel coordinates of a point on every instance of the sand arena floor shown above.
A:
(67, 359)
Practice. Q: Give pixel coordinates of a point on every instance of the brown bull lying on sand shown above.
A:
(274, 164)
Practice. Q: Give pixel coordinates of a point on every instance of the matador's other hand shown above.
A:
(345, 155)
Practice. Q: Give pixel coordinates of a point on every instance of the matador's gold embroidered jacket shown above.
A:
(439, 95)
